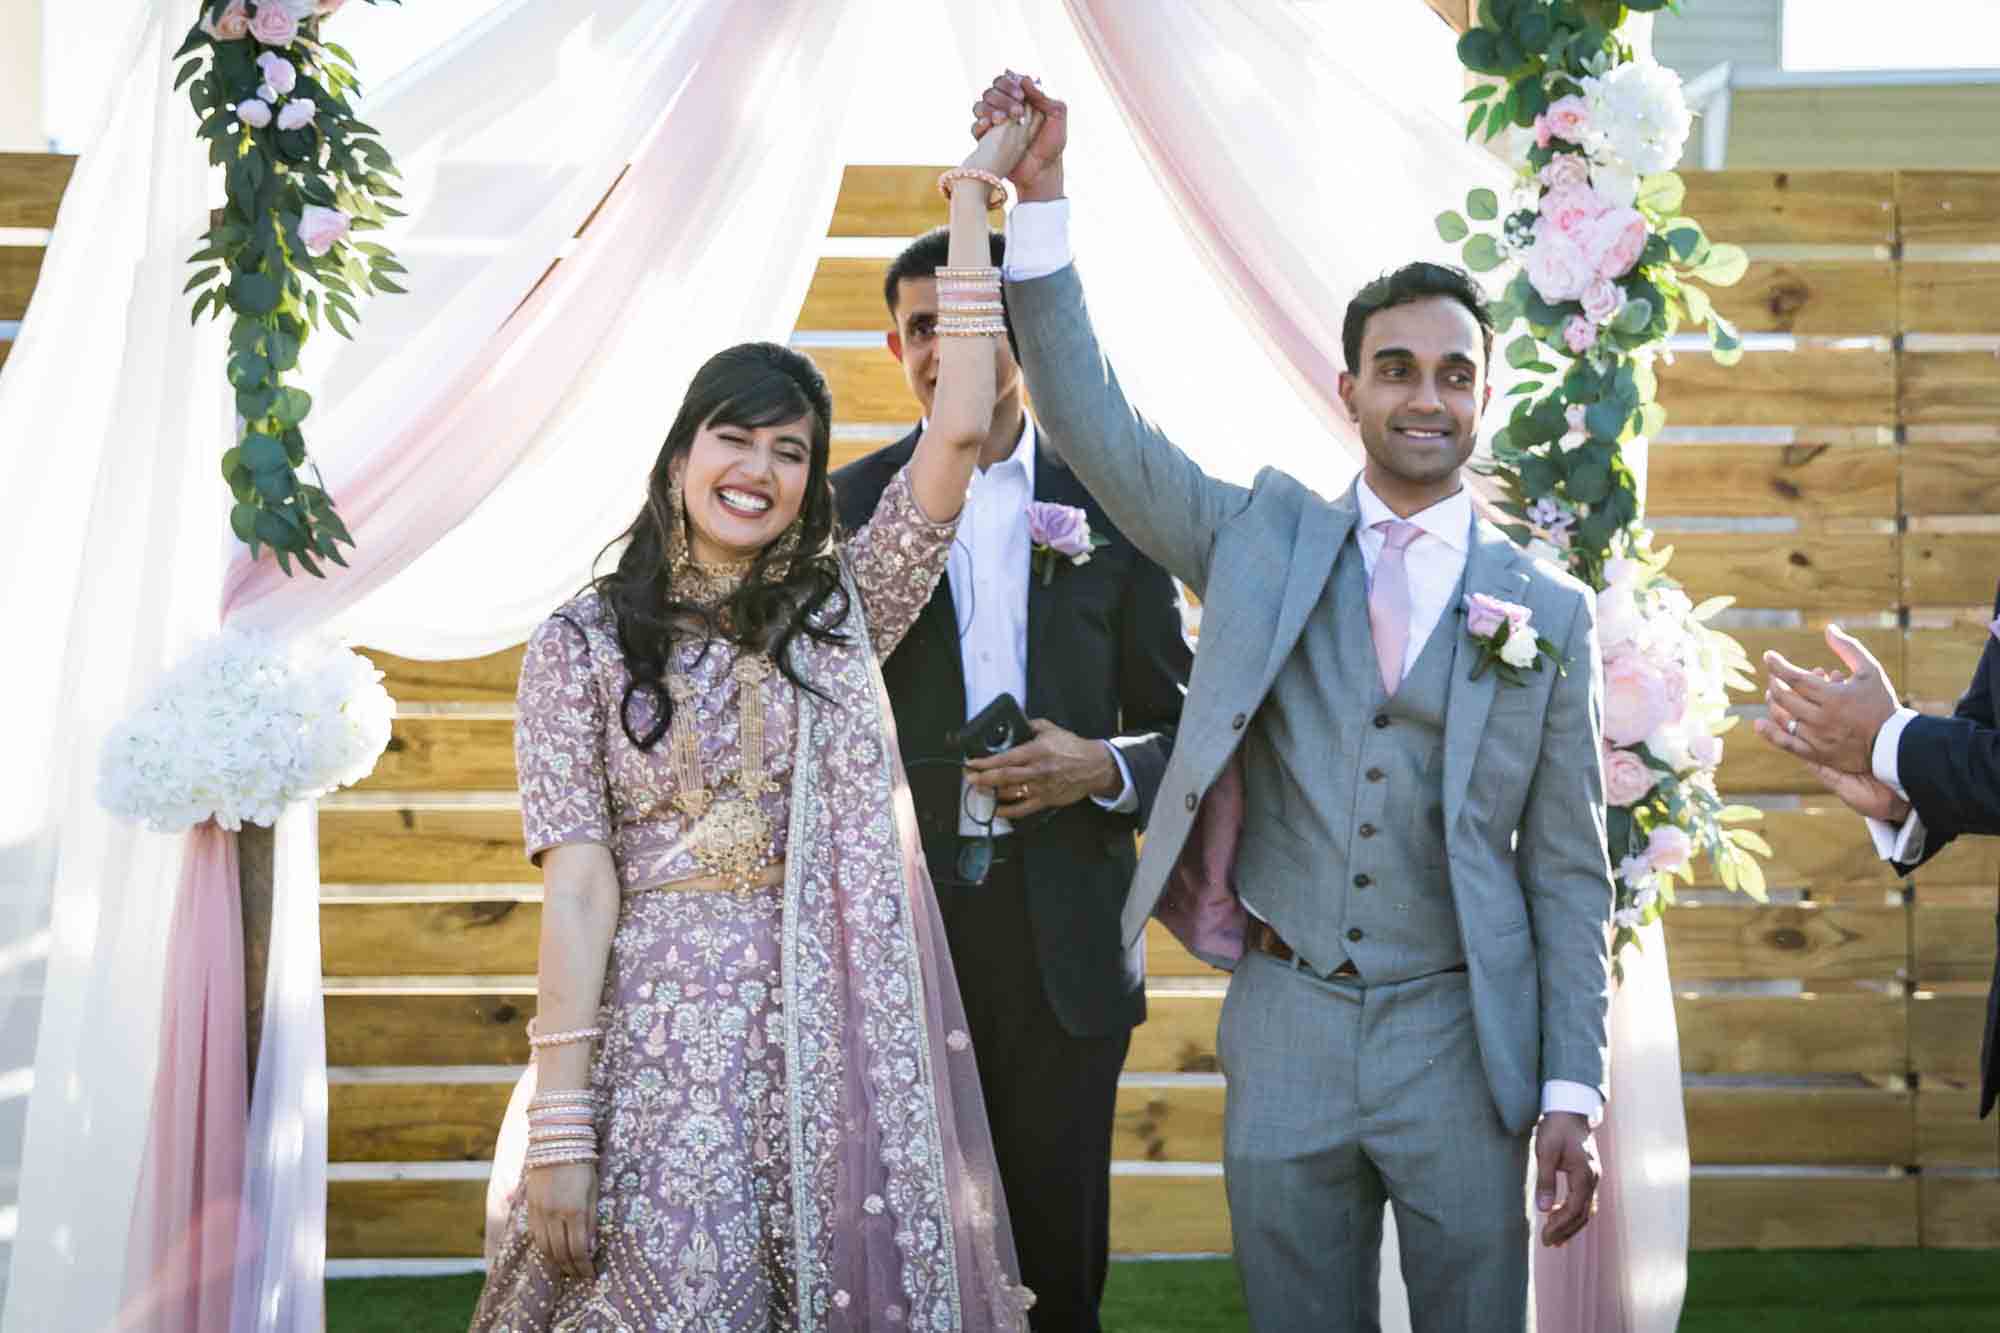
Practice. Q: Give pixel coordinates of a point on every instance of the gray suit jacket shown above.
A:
(1523, 784)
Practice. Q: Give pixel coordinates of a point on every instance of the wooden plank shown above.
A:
(1959, 1212)
(1800, 1126)
(1973, 863)
(1950, 568)
(868, 387)
(414, 1122)
(1950, 388)
(1959, 298)
(422, 845)
(20, 266)
(1803, 570)
(1948, 207)
(424, 1027)
(1801, 1212)
(1806, 646)
(1178, 1123)
(6, 345)
(1807, 941)
(1814, 386)
(1750, 767)
(1950, 478)
(878, 200)
(1950, 943)
(1949, 1130)
(1167, 1214)
(1945, 1032)
(1821, 297)
(1824, 848)
(1940, 660)
(1803, 481)
(446, 753)
(438, 937)
(31, 187)
(477, 680)
(1178, 1036)
(405, 1219)
(1833, 1032)
(846, 295)
(1794, 207)
(1166, 958)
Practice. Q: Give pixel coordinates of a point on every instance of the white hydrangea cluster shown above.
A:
(244, 726)
(1639, 116)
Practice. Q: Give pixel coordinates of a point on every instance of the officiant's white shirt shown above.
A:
(1038, 244)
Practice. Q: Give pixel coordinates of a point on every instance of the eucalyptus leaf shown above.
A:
(254, 293)
(1663, 193)
(275, 486)
(1482, 254)
(1451, 227)
(262, 453)
(1724, 266)
(291, 406)
(1633, 316)
(243, 522)
(1483, 205)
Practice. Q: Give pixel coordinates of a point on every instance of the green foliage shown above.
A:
(253, 263)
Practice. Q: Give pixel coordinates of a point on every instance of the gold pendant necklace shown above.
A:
(730, 835)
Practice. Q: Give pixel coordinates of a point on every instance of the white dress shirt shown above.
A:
(1893, 843)
(1038, 244)
(989, 572)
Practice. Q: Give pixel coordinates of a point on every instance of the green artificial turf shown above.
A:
(1731, 1291)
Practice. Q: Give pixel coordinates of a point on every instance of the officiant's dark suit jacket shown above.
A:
(1950, 766)
(1107, 659)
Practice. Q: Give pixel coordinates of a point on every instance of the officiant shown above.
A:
(1031, 849)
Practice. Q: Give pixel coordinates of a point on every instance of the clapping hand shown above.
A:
(1827, 719)
(1011, 99)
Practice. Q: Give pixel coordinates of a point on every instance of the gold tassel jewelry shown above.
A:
(730, 835)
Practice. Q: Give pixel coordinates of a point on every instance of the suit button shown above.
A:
(1191, 800)
(1375, 775)
(1367, 830)
(1354, 934)
(1381, 721)
(1362, 881)
(1236, 723)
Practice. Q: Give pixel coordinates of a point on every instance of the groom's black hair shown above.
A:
(923, 257)
(1414, 282)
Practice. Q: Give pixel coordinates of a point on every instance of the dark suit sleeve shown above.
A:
(1950, 766)
(1153, 662)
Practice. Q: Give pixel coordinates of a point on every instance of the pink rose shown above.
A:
(1601, 300)
(1542, 130)
(273, 26)
(253, 113)
(1565, 169)
(1579, 335)
(1669, 848)
(279, 74)
(1628, 779)
(1676, 681)
(1635, 699)
(327, 7)
(1705, 750)
(1064, 529)
(1615, 239)
(1570, 209)
(320, 228)
(1569, 118)
(297, 113)
(232, 26)
(1484, 615)
(1557, 266)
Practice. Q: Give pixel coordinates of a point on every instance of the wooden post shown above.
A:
(1458, 13)
(255, 866)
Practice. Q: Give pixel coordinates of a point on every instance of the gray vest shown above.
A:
(1343, 847)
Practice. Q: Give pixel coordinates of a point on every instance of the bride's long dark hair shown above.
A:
(751, 385)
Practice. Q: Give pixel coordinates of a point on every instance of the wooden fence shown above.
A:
(1830, 1038)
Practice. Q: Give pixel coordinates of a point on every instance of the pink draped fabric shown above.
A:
(183, 1249)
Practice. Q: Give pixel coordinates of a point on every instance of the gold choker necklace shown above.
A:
(706, 584)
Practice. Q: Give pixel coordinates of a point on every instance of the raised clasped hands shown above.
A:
(1000, 151)
(1830, 721)
(1018, 100)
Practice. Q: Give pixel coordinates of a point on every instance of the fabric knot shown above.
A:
(1397, 534)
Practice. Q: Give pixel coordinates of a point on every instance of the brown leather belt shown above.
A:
(1264, 939)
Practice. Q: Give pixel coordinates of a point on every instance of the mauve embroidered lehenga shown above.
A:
(789, 1124)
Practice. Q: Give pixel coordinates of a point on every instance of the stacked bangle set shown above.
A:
(562, 1124)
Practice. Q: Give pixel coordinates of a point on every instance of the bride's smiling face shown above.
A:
(743, 486)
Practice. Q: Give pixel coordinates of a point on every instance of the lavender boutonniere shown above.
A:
(1058, 532)
(1505, 634)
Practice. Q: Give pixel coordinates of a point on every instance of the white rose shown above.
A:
(1520, 649)
(253, 113)
(1669, 745)
(1618, 618)
(297, 113)
(1618, 183)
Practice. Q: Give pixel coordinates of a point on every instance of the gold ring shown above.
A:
(1792, 727)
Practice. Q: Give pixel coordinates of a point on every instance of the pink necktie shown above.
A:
(1389, 600)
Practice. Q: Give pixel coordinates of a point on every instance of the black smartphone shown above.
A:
(998, 727)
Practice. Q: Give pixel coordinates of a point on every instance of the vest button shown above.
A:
(1367, 830)
(1354, 934)
(1191, 801)
(1381, 721)
(1236, 723)
(1362, 881)
(1375, 775)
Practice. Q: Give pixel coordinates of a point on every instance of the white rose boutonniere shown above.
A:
(1505, 634)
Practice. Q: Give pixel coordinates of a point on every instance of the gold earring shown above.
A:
(778, 561)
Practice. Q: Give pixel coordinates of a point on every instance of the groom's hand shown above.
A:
(1038, 176)
(1563, 1147)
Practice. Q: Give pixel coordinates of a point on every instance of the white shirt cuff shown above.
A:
(1037, 240)
(1902, 843)
(1128, 797)
(1560, 1094)
(1883, 757)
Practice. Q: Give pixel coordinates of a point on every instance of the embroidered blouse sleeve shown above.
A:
(559, 741)
(897, 558)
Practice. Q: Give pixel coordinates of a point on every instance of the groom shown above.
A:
(1421, 978)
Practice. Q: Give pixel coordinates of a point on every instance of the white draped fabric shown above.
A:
(536, 423)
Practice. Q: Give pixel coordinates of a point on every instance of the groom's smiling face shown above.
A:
(1416, 396)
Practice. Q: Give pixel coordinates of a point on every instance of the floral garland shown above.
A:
(1605, 260)
(303, 175)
